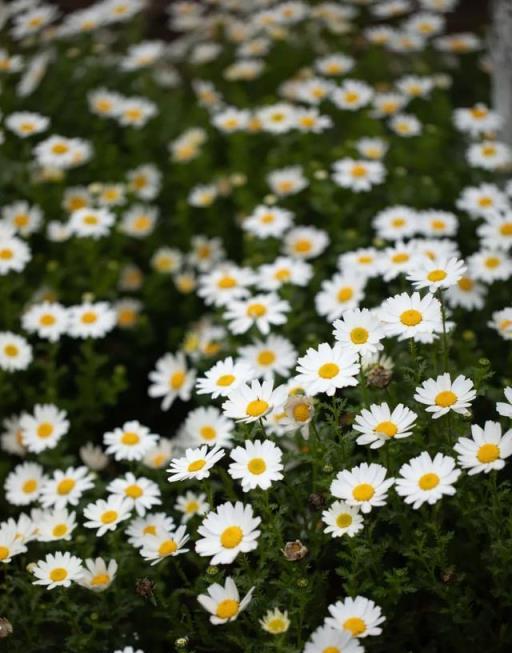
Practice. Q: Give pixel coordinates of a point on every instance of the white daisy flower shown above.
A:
(489, 155)
(224, 284)
(24, 483)
(486, 450)
(66, 487)
(379, 424)
(223, 603)
(496, 232)
(229, 530)
(130, 442)
(141, 493)
(275, 622)
(56, 525)
(410, 316)
(49, 320)
(164, 544)
(260, 311)
(436, 274)
(466, 293)
(359, 616)
(10, 544)
(196, 463)
(97, 575)
(22, 217)
(490, 265)
(327, 369)
(14, 253)
(15, 352)
(396, 222)
(287, 181)
(332, 640)
(248, 403)
(44, 428)
(256, 464)
(364, 485)
(351, 95)
(482, 201)
(358, 175)
(275, 355)
(426, 480)
(441, 395)
(107, 515)
(171, 379)
(91, 223)
(343, 292)
(358, 331)
(405, 125)
(282, 271)
(268, 221)
(305, 242)
(57, 570)
(91, 320)
(150, 524)
(224, 377)
(342, 519)
(191, 504)
(501, 321)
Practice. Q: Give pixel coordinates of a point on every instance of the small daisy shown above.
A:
(196, 463)
(379, 424)
(298, 412)
(223, 603)
(10, 544)
(504, 408)
(66, 487)
(287, 181)
(358, 331)
(405, 125)
(342, 519)
(266, 221)
(360, 616)
(275, 355)
(44, 428)
(365, 486)
(150, 524)
(249, 403)
(496, 232)
(467, 293)
(410, 316)
(358, 175)
(224, 377)
(57, 570)
(441, 395)
(482, 201)
(436, 274)
(282, 271)
(22, 217)
(15, 352)
(332, 640)
(164, 544)
(97, 574)
(343, 292)
(229, 530)
(256, 464)
(489, 155)
(57, 525)
(305, 242)
(49, 320)
(502, 322)
(23, 485)
(396, 222)
(487, 449)
(93, 456)
(490, 265)
(171, 379)
(260, 311)
(91, 320)
(107, 515)
(141, 493)
(14, 253)
(130, 442)
(424, 479)
(327, 369)
(275, 622)
(191, 504)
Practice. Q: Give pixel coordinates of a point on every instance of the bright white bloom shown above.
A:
(379, 424)
(228, 531)
(426, 480)
(248, 403)
(23, 484)
(57, 570)
(171, 379)
(256, 464)
(490, 266)
(223, 603)
(267, 221)
(358, 331)
(277, 118)
(341, 293)
(275, 355)
(342, 519)
(14, 253)
(91, 320)
(477, 120)
(97, 574)
(196, 463)
(405, 125)
(327, 369)
(441, 395)
(284, 270)
(135, 111)
(65, 487)
(504, 408)
(107, 515)
(410, 316)
(162, 544)
(10, 544)
(206, 425)
(486, 450)
(466, 293)
(482, 201)
(436, 274)
(396, 222)
(44, 428)
(358, 175)
(224, 377)
(22, 218)
(49, 320)
(260, 311)
(496, 232)
(305, 242)
(130, 442)
(332, 640)
(287, 181)
(489, 155)
(56, 525)
(141, 493)
(224, 284)
(360, 617)
(352, 95)
(365, 486)
(502, 322)
(191, 504)
(15, 352)
(91, 223)
(150, 524)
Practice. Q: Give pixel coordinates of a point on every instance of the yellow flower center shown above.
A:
(60, 530)
(343, 520)
(91, 219)
(488, 453)
(60, 148)
(506, 229)
(485, 202)
(478, 112)
(328, 370)
(386, 428)
(429, 481)
(142, 223)
(167, 548)
(411, 317)
(225, 380)
(492, 262)
(256, 310)
(402, 257)
(100, 579)
(231, 537)
(332, 649)
(196, 465)
(11, 350)
(65, 486)
(488, 150)
(302, 245)
(89, 317)
(29, 486)
(177, 379)
(47, 319)
(227, 609)
(359, 170)
(436, 275)
(266, 357)
(355, 625)
(256, 408)
(4, 553)
(21, 220)
(134, 491)
(6, 254)
(359, 336)
(150, 529)
(192, 507)
(227, 282)
(285, 186)
(256, 466)
(58, 574)
(465, 284)
(365, 259)
(44, 430)
(363, 492)
(129, 438)
(398, 222)
(301, 412)
(108, 516)
(438, 225)
(283, 274)
(445, 398)
(345, 294)
(208, 432)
